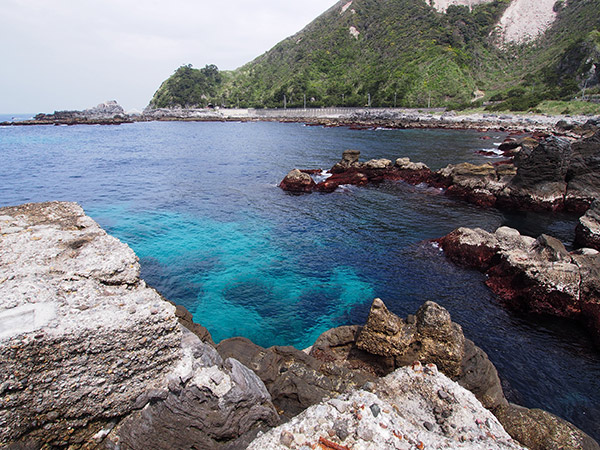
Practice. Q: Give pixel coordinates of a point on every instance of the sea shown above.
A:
(200, 205)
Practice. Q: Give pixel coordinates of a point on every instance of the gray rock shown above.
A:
(89, 353)
(407, 398)
(587, 233)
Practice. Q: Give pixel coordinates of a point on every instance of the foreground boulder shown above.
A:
(90, 357)
(415, 407)
(90, 354)
(294, 379)
(388, 342)
(532, 275)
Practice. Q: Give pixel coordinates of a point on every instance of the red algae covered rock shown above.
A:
(297, 181)
(532, 275)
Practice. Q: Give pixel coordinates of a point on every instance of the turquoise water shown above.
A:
(199, 204)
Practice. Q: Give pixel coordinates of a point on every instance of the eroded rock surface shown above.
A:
(297, 181)
(412, 408)
(87, 350)
(430, 336)
(543, 173)
(587, 232)
(533, 275)
(294, 379)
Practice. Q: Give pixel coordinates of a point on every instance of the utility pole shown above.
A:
(429, 100)
(395, 96)
(284, 102)
(369, 100)
(342, 99)
(304, 101)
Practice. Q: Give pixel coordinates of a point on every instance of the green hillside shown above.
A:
(405, 53)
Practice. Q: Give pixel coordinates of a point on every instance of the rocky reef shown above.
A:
(532, 275)
(91, 357)
(542, 173)
(107, 113)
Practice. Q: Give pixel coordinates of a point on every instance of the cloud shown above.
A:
(72, 54)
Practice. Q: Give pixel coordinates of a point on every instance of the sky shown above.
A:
(75, 54)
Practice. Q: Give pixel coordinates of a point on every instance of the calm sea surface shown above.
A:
(199, 204)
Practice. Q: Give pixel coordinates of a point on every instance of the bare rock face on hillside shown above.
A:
(90, 354)
(525, 20)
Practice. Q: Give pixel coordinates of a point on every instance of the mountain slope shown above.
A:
(395, 49)
(407, 53)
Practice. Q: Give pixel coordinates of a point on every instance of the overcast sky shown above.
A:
(74, 54)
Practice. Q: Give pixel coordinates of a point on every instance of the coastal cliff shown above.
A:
(91, 357)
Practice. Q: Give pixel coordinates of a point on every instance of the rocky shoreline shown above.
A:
(110, 113)
(92, 358)
(540, 173)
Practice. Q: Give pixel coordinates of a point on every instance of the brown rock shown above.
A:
(540, 430)
(532, 275)
(297, 181)
(294, 379)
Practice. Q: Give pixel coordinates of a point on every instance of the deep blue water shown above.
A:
(199, 204)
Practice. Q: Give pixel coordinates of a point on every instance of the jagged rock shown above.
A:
(431, 338)
(387, 342)
(412, 173)
(109, 113)
(409, 405)
(209, 401)
(534, 275)
(551, 174)
(407, 164)
(377, 164)
(349, 159)
(480, 376)
(540, 430)
(583, 175)
(477, 184)
(351, 176)
(87, 350)
(297, 181)
(540, 181)
(294, 379)
(187, 320)
(587, 232)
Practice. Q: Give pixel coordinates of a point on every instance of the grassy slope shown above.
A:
(405, 51)
(410, 55)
